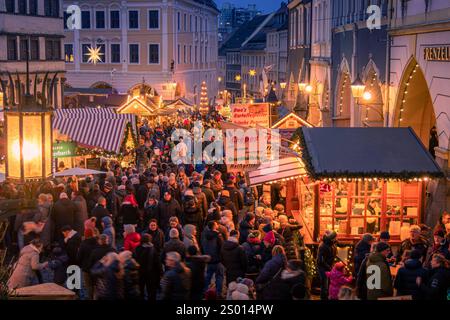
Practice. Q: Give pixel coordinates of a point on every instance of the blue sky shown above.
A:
(263, 5)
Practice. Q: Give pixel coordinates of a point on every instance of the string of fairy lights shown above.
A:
(341, 98)
(204, 103)
(372, 84)
(405, 91)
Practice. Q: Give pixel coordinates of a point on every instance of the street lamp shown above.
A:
(358, 88)
(28, 139)
(283, 85)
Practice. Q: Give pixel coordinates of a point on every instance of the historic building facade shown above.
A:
(172, 45)
(419, 82)
(36, 27)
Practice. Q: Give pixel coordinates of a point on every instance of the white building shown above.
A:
(162, 42)
(36, 25)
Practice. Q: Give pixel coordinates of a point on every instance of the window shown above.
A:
(10, 6)
(206, 54)
(23, 49)
(51, 8)
(68, 53)
(85, 52)
(190, 54)
(178, 55)
(133, 19)
(196, 58)
(190, 23)
(66, 17)
(153, 19)
(23, 6)
(184, 54)
(178, 21)
(185, 22)
(114, 19)
(134, 53)
(196, 26)
(115, 53)
(100, 20)
(153, 53)
(52, 49)
(33, 7)
(85, 19)
(34, 49)
(102, 52)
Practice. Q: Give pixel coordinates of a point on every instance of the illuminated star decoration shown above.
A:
(94, 55)
(252, 72)
(237, 77)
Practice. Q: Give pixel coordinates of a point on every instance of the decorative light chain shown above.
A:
(405, 91)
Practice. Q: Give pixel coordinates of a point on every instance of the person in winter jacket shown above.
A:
(435, 286)
(92, 198)
(378, 258)
(109, 230)
(142, 192)
(112, 201)
(201, 199)
(209, 193)
(287, 230)
(440, 246)
(325, 258)
(150, 268)
(130, 276)
(174, 224)
(58, 262)
(100, 250)
(100, 211)
(157, 235)
(246, 226)
(362, 250)
(108, 277)
(284, 285)
(271, 269)
(225, 203)
(86, 247)
(72, 241)
(63, 214)
(235, 195)
(176, 282)
(415, 241)
(216, 183)
(337, 279)
(192, 214)
(129, 211)
(190, 236)
(151, 210)
(24, 273)
(253, 250)
(168, 207)
(81, 213)
(174, 244)
(197, 264)
(132, 239)
(211, 242)
(233, 258)
(406, 279)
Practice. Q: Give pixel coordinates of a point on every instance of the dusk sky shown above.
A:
(263, 5)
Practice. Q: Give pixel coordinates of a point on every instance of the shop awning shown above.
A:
(395, 153)
(107, 134)
(283, 169)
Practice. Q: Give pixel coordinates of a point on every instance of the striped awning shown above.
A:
(94, 127)
(283, 169)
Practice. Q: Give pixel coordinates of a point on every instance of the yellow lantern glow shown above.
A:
(367, 96)
(302, 86)
(283, 85)
(358, 88)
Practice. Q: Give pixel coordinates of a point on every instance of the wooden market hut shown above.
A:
(355, 180)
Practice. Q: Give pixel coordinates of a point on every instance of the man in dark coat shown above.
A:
(362, 249)
(100, 250)
(168, 207)
(99, 212)
(83, 260)
(157, 235)
(72, 241)
(211, 242)
(112, 200)
(142, 192)
(174, 244)
(206, 189)
(81, 214)
(235, 195)
(226, 204)
(245, 227)
(435, 286)
(192, 214)
(197, 264)
(92, 197)
(406, 279)
(63, 214)
(176, 282)
(233, 258)
(415, 241)
(325, 259)
(150, 267)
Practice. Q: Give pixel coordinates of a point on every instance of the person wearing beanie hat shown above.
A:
(440, 246)
(415, 241)
(378, 260)
(226, 204)
(362, 249)
(174, 244)
(325, 258)
(246, 225)
(233, 257)
(337, 280)
(254, 252)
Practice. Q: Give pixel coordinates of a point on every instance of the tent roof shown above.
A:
(395, 153)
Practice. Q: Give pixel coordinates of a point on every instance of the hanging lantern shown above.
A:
(358, 88)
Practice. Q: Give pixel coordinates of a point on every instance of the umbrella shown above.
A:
(77, 172)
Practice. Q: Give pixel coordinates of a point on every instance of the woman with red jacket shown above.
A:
(132, 239)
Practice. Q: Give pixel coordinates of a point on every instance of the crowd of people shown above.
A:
(159, 230)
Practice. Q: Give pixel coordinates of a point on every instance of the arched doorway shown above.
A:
(101, 85)
(343, 97)
(414, 106)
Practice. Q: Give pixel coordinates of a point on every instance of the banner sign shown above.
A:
(251, 114)
(64, 150)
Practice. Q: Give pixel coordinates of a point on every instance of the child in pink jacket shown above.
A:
(337, 280)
